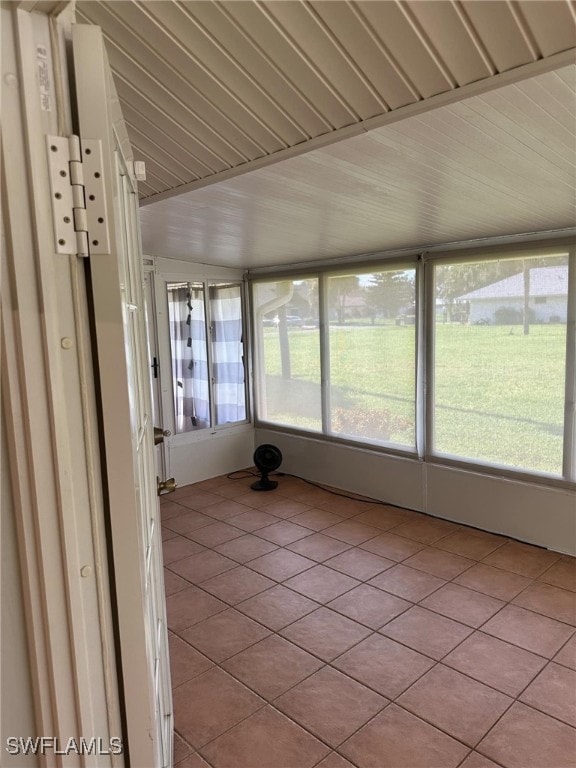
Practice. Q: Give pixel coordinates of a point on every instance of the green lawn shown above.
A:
(499, 394)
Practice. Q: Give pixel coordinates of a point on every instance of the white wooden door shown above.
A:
(117, 305)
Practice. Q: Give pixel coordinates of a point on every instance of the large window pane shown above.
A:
(288, 346)
(227, 353)
(500, 346)
(372, 355)
(187, 316)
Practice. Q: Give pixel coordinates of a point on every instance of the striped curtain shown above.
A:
(189, 358)
(227, 353)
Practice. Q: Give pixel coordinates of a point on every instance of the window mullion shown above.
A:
(422, 346)
(569, 457)
(429, 318)
(324, 354)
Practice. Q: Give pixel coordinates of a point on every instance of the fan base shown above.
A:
(264, 485)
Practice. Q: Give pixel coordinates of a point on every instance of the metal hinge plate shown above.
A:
(78, 195)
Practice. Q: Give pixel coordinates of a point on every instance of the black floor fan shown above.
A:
(267, 458)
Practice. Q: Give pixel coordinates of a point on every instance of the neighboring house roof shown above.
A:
(544, 281)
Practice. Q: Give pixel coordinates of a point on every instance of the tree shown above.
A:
(390, 292)
(340, 288)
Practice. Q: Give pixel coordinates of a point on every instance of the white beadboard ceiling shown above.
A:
(291, 130)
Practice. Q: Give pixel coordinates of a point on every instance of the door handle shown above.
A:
(160, 434)
(165, 486)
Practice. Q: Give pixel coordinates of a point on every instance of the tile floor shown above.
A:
(307, 629)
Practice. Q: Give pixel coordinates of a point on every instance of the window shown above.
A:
(206, 342)
(372, 347)
(500, 361)
(287, 345)
(484, 376)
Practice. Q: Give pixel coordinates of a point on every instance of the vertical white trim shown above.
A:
(324, 323)
(49, 408)
(422, 344)
(569, 463)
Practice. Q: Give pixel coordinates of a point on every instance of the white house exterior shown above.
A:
(548, 294)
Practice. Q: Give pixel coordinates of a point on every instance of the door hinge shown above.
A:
(78, 195)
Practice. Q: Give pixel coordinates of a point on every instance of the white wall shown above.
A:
(534, 513)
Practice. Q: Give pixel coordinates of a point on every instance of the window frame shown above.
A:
(207, 278)
(424, 357)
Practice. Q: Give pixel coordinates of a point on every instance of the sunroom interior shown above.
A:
(359, 178)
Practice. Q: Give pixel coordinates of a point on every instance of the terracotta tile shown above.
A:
(253, 499)
(212, 535)
(285, 508)
(325, 633)
(181, 749)
(458, 705)
(170, 509)
(472, 544)
(330, 705)
(224, 510)
(384, 665)
(197, 500)
(173, 583)
(210, 704)
(316, 519)
(408, 583)
(397, 739)
(426, 632)
(252, 520)
(178, 548)
(321, 583)
(237, 585)
(185, 661)
(370, 606)
(189, 606)
(567, 654)
(463, 604)
(359, 563)
(272, 737)
(224, 634)
(283, 533)
(272, 666)
(445, 565)
(334, 760)
(561, 574)
(281, 564)
(245, 548)
(167, 533)
(192, 761)
(383, 517)
(525, 738)
(189, 521)
(343, 506)
(554, 692)
(203, 566)
(493, 581)
(277, 607)
(319, 547)
(315, 497)
(426, 530)
(476, 760)
(393, 547)
(501, 665)
(523, 559)
(352, 532)
(551, 601)
(212, 483)
(182, 490)
(234, 489)
(528, 630)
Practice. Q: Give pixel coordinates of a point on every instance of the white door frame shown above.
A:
(51, 425)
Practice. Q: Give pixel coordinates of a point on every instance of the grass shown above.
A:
(499, 394)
